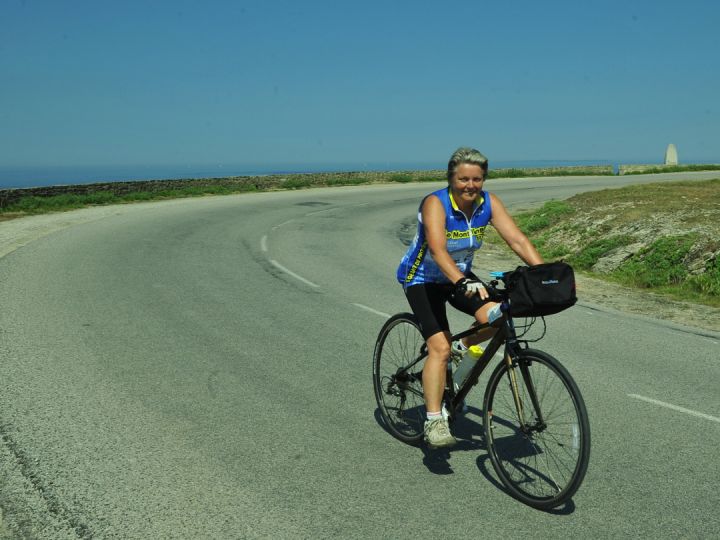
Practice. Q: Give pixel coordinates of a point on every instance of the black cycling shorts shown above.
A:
(427, 301)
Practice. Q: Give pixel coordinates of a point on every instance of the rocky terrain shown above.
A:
(592, 290)
(638, 223)
(656, 234)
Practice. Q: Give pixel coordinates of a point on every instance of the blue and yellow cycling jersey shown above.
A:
(464, 237)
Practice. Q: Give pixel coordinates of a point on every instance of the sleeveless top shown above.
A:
(464, 237)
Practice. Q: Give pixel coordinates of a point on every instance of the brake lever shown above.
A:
(492, 289)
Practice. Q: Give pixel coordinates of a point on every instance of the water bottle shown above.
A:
(472, 355)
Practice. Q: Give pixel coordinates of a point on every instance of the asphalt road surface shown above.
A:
(202, 369)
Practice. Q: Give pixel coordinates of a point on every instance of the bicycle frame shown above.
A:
(539, 455)
(457, 397)
(506, 336)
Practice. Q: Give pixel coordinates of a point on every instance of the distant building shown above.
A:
(671, 157)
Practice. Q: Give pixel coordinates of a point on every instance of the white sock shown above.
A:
(434, 415)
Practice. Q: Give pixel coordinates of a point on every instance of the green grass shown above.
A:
(550, 252)
(551, 171)
(296, 183)
(549, 214)
(402, 178)
(36, 205)
(659, 265)
(590, 254)
(351, 181)
(587, 227)
(661, 268)
(57, 203)
(707, 284)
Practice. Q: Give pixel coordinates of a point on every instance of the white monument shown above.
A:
(671, 155)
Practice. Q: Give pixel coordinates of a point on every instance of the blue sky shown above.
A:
(333, 82)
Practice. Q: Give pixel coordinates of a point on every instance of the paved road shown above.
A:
(201, 369)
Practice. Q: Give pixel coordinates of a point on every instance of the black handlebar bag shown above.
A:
(543, 289)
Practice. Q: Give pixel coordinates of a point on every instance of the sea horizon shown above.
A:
(21, 177)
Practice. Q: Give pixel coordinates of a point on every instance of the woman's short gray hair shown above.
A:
(466, 155)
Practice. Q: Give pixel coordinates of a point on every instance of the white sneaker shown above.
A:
(437, 434)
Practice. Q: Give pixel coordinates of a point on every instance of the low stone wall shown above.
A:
(579, 170)
(271, 182)
(235, 183)
(9, 196)
(639, 169)
(658, 168)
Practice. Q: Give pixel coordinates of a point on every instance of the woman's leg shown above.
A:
(479, 309)
(481, 316)
(435, 370)
(479, 337)
(428, 305)
(437, 430)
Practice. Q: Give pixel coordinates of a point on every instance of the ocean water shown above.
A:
(31, 176)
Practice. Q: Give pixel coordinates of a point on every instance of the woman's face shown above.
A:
(467, 182)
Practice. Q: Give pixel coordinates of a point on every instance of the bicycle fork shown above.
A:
(517, 395)
(515, 389)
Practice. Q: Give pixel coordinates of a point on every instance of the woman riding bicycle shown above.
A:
(437, 269)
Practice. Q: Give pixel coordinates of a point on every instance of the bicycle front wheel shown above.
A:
(539, 445)
(397, 378)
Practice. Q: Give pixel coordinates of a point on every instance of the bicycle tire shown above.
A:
(399, 395)
(543, 466)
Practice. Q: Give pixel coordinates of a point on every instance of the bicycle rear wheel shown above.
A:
(397, 382)
(542, 461)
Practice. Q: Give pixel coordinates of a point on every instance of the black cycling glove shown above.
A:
(469, 286)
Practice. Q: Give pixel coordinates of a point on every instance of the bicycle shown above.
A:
(534, 418)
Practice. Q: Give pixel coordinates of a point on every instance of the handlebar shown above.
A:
(496, 294)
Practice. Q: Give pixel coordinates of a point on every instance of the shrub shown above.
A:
(659, 264)
(594, 251)
(707, 283)
(401, 177)
(550, 213)
(296, 183)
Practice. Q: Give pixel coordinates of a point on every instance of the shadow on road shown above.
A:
(469, 431)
